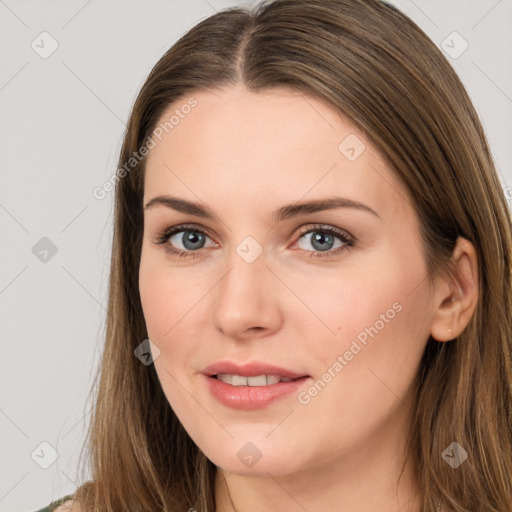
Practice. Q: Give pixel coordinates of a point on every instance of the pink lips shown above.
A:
(251, 397)
(250, 370)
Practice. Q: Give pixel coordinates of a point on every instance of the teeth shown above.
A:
(260, 380)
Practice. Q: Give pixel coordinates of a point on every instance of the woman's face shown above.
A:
(261, 281)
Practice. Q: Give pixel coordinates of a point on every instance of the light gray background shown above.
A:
(61, 125)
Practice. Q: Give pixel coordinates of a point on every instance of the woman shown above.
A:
(310, 285)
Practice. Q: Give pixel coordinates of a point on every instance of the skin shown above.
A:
(243, 155)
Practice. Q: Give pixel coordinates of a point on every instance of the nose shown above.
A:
(247, 300)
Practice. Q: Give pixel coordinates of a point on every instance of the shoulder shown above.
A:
(64, 504)
(67, 506)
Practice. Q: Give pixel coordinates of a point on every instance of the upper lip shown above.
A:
(252, 369)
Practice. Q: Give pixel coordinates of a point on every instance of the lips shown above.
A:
(255, 395)
(253, 369)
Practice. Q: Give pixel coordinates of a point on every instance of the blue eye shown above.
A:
(321, 237)
(190, 237)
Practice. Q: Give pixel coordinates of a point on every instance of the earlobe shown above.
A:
(456, 296)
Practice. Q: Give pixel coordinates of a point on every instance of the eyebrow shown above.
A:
(283, 213)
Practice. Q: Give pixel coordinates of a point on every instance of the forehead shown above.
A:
(266, 148)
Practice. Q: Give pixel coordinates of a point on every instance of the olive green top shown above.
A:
(54, 504)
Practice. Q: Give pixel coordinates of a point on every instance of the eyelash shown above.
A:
(347, 240)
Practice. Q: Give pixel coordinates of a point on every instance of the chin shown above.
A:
(252, 459)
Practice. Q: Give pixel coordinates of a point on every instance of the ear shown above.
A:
(456, 298)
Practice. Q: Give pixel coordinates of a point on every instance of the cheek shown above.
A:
(376, 313)
(176, 314)
(364, 372)
(155, 297)
(166, 296)
(168, 314)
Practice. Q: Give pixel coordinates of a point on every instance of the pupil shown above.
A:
(192, 237)
(322, 237)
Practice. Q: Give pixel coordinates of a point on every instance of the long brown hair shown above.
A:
(371, 63)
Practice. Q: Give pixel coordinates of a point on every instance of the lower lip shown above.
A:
(251, 397)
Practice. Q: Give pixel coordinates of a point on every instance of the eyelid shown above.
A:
(347, 239)
(326, 227)
(166, 233)
(302, 230)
